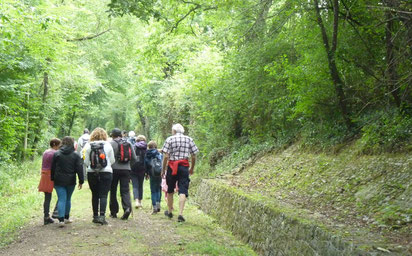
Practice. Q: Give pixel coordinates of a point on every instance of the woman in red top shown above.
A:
(46, 184)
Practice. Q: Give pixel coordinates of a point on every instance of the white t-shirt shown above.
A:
(84, 138)
(108, 150)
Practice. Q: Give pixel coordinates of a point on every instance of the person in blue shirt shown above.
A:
(153, 165)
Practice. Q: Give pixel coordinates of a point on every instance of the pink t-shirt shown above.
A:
(47, 159)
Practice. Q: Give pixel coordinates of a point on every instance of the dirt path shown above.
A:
(142, 234)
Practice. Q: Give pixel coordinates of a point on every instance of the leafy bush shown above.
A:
(239, 154)
(323, 135)
(386, 131)
(18, 191)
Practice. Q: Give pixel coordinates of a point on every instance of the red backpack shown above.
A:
(124, 154)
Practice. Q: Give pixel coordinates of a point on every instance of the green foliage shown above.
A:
(386, 131)
(232, 159)
(229, 71)
(18, 190)
(143, 9)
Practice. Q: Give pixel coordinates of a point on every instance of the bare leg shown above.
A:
(182, 200)
(170, 201)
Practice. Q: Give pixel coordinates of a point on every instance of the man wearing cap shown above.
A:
(177, 149)
(121, 174)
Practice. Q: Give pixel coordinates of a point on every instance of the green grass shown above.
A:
(21, 208)
(372, 189)
(19, 198)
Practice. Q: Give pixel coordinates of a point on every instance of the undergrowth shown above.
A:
(373, 190)
(224, 160)
(19, 197)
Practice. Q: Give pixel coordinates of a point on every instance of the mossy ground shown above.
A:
(142, 234)
(369, 193)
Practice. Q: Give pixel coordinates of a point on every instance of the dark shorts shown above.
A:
(182, 179)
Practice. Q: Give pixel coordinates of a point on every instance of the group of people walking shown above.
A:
(107, 164)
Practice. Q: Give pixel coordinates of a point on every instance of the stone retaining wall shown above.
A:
(270, 229)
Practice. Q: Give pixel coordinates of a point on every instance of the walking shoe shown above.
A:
(126, 214)
(136, 203)
(154, 211)
(158, 207)
(95, 219)
(68, 221)
(102, 220)
(61, 224)
(113, 215)
(180, 218)
(48, 220)
(169, 214)
(55, 215)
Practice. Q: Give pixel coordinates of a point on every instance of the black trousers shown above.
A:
(46, 204)
(122, 177)
(99, 184)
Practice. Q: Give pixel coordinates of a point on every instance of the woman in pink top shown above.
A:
(46, 184)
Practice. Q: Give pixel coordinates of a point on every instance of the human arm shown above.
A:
(134, 157)
(79, 143)
(110, 154)
(192, 166)
(164, 163)
(86, 155)
(194, 150)
(146, 165)
(53, 166)
(79, 170)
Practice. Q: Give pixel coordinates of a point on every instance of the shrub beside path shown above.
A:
(142, 234)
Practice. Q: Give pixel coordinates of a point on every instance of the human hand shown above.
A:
(191, 171)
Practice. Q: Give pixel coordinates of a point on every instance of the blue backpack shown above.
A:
(155, 167)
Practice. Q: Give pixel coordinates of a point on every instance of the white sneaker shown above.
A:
(68, 221)
(61, 224)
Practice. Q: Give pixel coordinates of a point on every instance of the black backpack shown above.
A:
(84, 142)
(155, 167)
(124, 154)
(98, 158)
(140, 153)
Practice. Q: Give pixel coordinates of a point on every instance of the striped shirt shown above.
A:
(179, 147)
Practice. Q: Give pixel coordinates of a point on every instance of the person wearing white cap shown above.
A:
(132, 137)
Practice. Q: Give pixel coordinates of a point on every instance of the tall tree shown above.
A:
(330, 48)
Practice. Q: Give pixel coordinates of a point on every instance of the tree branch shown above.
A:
(88, 37)
(335, 25)
(194, 9)
(321, 26)
(184, 17)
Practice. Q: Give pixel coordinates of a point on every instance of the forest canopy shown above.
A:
(232, 72)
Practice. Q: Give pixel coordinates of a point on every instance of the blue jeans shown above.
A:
(64, 195)
(137, 182)
(155, 189)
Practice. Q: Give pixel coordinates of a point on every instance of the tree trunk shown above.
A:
(330, 51)
(26, 132)
(38, 129)
(71, 122)
(390, 72)
(259, 27)
(143, 120)
(45, 87)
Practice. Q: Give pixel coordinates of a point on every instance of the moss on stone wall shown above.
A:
(271, 228)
